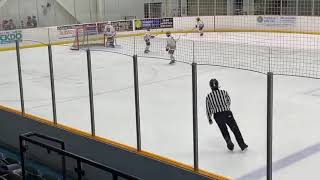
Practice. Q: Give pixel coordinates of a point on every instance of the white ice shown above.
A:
(166, 104)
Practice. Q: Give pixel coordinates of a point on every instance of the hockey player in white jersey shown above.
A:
(110, 34)
(171, 47)
(147, 37)
(200, 26)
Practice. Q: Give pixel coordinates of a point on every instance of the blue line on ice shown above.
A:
(283, 163)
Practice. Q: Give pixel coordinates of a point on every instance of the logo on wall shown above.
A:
(7, 37)
(138, 24)
(260, 19)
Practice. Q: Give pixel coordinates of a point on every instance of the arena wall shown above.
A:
(279, 24)
(127, 159)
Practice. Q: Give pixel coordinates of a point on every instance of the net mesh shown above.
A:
(86, 37)
(279, 36)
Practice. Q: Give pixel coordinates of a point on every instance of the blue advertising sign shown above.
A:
(7, 37)
(153, 23)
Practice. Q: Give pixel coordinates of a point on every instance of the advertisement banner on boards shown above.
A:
(276, 21)
(153, 23)
(91, 29)
(69, 31)
(7, 37)
(119, 26)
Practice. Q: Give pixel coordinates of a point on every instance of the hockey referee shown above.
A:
(218, 104)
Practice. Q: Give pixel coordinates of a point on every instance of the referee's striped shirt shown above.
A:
(217, 101)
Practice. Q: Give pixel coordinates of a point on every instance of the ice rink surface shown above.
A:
(166, 105)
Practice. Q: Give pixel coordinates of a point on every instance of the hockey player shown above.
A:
(147, 37)
(199, 26)
(218, 104)
(171, 47)
(110, 34)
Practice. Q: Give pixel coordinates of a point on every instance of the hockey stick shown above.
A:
(115, 41)
(158, 34)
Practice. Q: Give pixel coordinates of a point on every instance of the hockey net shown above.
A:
(80, 37)
(85, 37)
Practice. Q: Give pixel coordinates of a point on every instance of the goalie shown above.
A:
(110, 35)
(147, 37)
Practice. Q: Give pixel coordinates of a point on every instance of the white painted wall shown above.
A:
(61, 16)
(131, 8)
(2, 2)
(9, 10)
(18, 10)
(68, 5)
(102, 10)
(82, 11)
(171, 8)
(118, 9)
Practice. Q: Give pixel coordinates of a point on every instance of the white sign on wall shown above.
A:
(276, 21)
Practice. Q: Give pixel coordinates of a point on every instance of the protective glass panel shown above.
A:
(243, 88)
(114, 97)
(36, 81)
(9, 95)
(296, 135)
(72, 94)
(166, 109)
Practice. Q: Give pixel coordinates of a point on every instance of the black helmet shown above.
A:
(198, 19)
(214, 84)
(168, 33)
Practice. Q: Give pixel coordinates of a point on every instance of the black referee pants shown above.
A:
(226, 118)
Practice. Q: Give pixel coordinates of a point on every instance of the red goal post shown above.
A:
(79, 34)
(87, 35)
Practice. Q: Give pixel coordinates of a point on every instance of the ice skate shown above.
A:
(244, 147)
(172, 62)
(230, 146)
